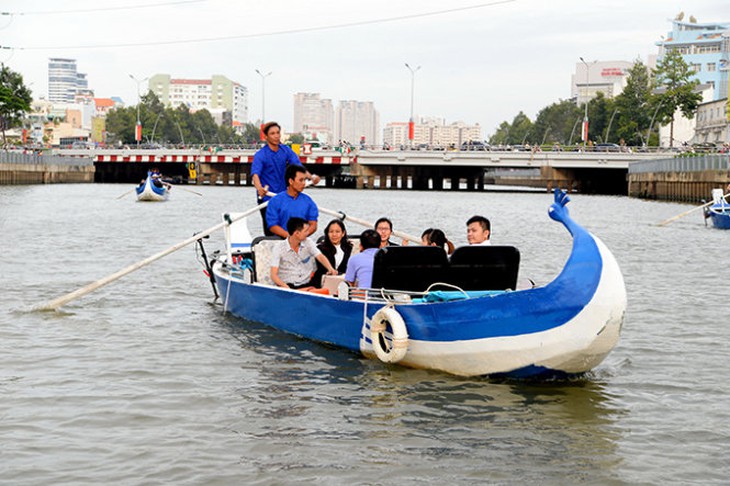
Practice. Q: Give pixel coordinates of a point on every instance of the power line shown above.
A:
(101, 9)
(270, 34)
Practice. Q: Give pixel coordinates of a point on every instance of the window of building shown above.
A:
(711, 66)
(707, 49)
(696, 67)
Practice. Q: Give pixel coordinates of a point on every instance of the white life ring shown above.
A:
(389, 351)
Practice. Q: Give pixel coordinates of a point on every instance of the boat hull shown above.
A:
(151, 192)
(720, 220)
(566, 327)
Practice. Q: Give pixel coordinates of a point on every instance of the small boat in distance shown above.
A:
(153, 188)
(719, 212)
(463, 315)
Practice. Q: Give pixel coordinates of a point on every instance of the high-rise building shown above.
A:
(357, 122)
(432, 132)
(216, 94)
(64, 81)
(705, 47)
(313, 115)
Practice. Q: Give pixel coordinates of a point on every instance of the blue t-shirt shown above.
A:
(360, 268)
(283, 206)
(271, 166)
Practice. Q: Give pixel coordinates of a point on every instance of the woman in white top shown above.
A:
(336, 248)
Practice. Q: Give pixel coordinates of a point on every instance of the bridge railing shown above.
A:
(682, 164)
(11, 157)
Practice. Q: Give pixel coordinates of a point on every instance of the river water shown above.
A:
(146, 382)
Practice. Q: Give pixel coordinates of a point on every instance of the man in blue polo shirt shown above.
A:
(269, 165)
(290, 203)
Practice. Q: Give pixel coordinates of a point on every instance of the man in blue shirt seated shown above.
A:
(359, 271)
(292, 263)
(292, 202)
(269, 165)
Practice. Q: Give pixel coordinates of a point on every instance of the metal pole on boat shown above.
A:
(65, 299)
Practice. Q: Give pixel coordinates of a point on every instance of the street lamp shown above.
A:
(585, 116)
(608, 130)
(263, 100)
(411, 128)
(138, 127)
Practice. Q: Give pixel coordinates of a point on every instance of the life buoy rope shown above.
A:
(389, 350)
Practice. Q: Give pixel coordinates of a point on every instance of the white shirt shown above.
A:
(295, 268)
(339, 255)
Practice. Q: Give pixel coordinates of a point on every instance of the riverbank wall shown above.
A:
(23, 168)
(681, 179)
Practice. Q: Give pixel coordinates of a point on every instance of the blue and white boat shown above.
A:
(719, 212)
(461, 315)
(152, 188)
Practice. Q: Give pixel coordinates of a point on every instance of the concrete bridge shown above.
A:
(589, 172)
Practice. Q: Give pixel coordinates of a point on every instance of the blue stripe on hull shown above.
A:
(720, 221)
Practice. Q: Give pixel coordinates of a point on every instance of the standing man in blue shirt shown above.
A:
(290, 203)
(269, 167)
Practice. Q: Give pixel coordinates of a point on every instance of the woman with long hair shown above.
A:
(436, 237)
(336, 247)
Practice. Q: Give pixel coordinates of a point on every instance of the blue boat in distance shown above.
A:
(152, 188)
(719, 212)
(462, 315)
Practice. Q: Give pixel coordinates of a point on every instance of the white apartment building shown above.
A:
(313, 115)
(64, 82)
(592, 77)
(357, 122)
(713, 122)
(434, 133)
(215, 95)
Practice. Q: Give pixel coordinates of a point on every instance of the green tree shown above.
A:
(296, 138)
(251, 134)
(515, 133)
(557, 123)
(633, 106)
(15, 99)
(675, 90)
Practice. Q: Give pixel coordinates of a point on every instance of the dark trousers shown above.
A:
(263, 217)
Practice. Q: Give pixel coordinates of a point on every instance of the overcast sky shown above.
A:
(481, 61)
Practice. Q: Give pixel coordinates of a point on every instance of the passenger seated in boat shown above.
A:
(384, 228)
(436, 237)
(360, 267)
(478, 231)
(292, 262)
(335, 247)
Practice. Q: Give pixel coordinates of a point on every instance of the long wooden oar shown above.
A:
(682, 215)
(187, 190)
(65, 299)
(367, 224)
(128, 192)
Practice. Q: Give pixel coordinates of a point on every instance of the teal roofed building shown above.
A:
(705, 47)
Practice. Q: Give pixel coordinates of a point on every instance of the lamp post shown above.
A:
(263, 101)
(608, 130)
(411, 127)
(585, 116)
(138, 127)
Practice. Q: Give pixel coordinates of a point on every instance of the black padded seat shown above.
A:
(477, 267)
(411, 268)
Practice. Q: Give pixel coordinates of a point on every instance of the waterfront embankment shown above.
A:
(688, 179)
(26, 168)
